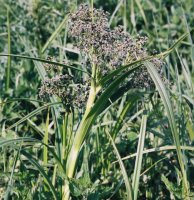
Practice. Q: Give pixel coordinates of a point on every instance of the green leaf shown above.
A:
(9, 50)
(55, 33)
(138, 161)
(33, 113)
(133, 98)
(4, 142)
(42, 172)
(170, 114)
(28, 140)
(42, 60)
(175, 189)
(123, 170)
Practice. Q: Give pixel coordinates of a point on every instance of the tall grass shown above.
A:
(48, 152)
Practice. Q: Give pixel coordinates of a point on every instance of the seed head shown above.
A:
(106, 48)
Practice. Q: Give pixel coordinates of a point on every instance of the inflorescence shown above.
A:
(106, 48)
(103, 47)
(61, 85)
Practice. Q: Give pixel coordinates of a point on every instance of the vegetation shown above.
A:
(96, 99)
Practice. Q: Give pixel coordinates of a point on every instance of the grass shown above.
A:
(115, 146)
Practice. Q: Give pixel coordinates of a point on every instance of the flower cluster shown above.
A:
(102, 47)
(106, 48)
(61, 85)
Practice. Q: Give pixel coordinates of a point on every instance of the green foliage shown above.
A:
(176, 189)
(109, 148)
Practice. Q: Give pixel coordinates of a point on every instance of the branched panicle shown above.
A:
(60, 85)
(106, 48)
(101, 46)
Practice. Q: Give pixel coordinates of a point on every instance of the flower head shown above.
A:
(106, 48)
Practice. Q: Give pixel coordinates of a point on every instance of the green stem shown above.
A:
(9, 51)
(78, 141)
(81, 133)
(64, 138)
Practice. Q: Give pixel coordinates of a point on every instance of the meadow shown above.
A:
(96, 99)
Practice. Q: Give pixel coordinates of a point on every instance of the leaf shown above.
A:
(175, 189)
(138, 161)
(190, 129)
(157, 149)
(141, 11)
(33, 113)
(43, 61)
(123, 170)
(4, 142)
(127, 107)
(9, 50)
(170, 114)
(55, 33)
(42, 172)
(81, 186)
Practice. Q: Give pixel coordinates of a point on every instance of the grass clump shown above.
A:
(102, 116)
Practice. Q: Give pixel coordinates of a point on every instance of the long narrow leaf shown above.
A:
(124, 173)
(123, 114)
(138, 161)
(55, 33)
(4, 142)
(9, 51)
(31, 141)
(42, 60)
(158, 149)
(42, 172)
(166, 100)
(46, 135)
(33, 113)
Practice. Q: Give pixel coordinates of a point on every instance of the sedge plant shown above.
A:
(114, 62)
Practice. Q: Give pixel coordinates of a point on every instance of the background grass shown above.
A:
(36, 137)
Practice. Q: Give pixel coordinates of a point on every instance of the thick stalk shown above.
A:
(79, 137)
(84, 126)
(83, 129)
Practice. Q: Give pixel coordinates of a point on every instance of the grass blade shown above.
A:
(123, 114)
(4, 142)
(158, 149)
(43, 61)
(138, 161)
(115, 11)
(45, 150)
(124, 173)
(9, 51)
(55, 33)
(42, 172)
(33, 113)
(10, 184)
(19, 99)
(141, 11)
(168, 107)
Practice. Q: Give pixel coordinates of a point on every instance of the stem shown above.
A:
(84, 126)
(78, 140)
(64, 138)
(9, 51)
(81, 133)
